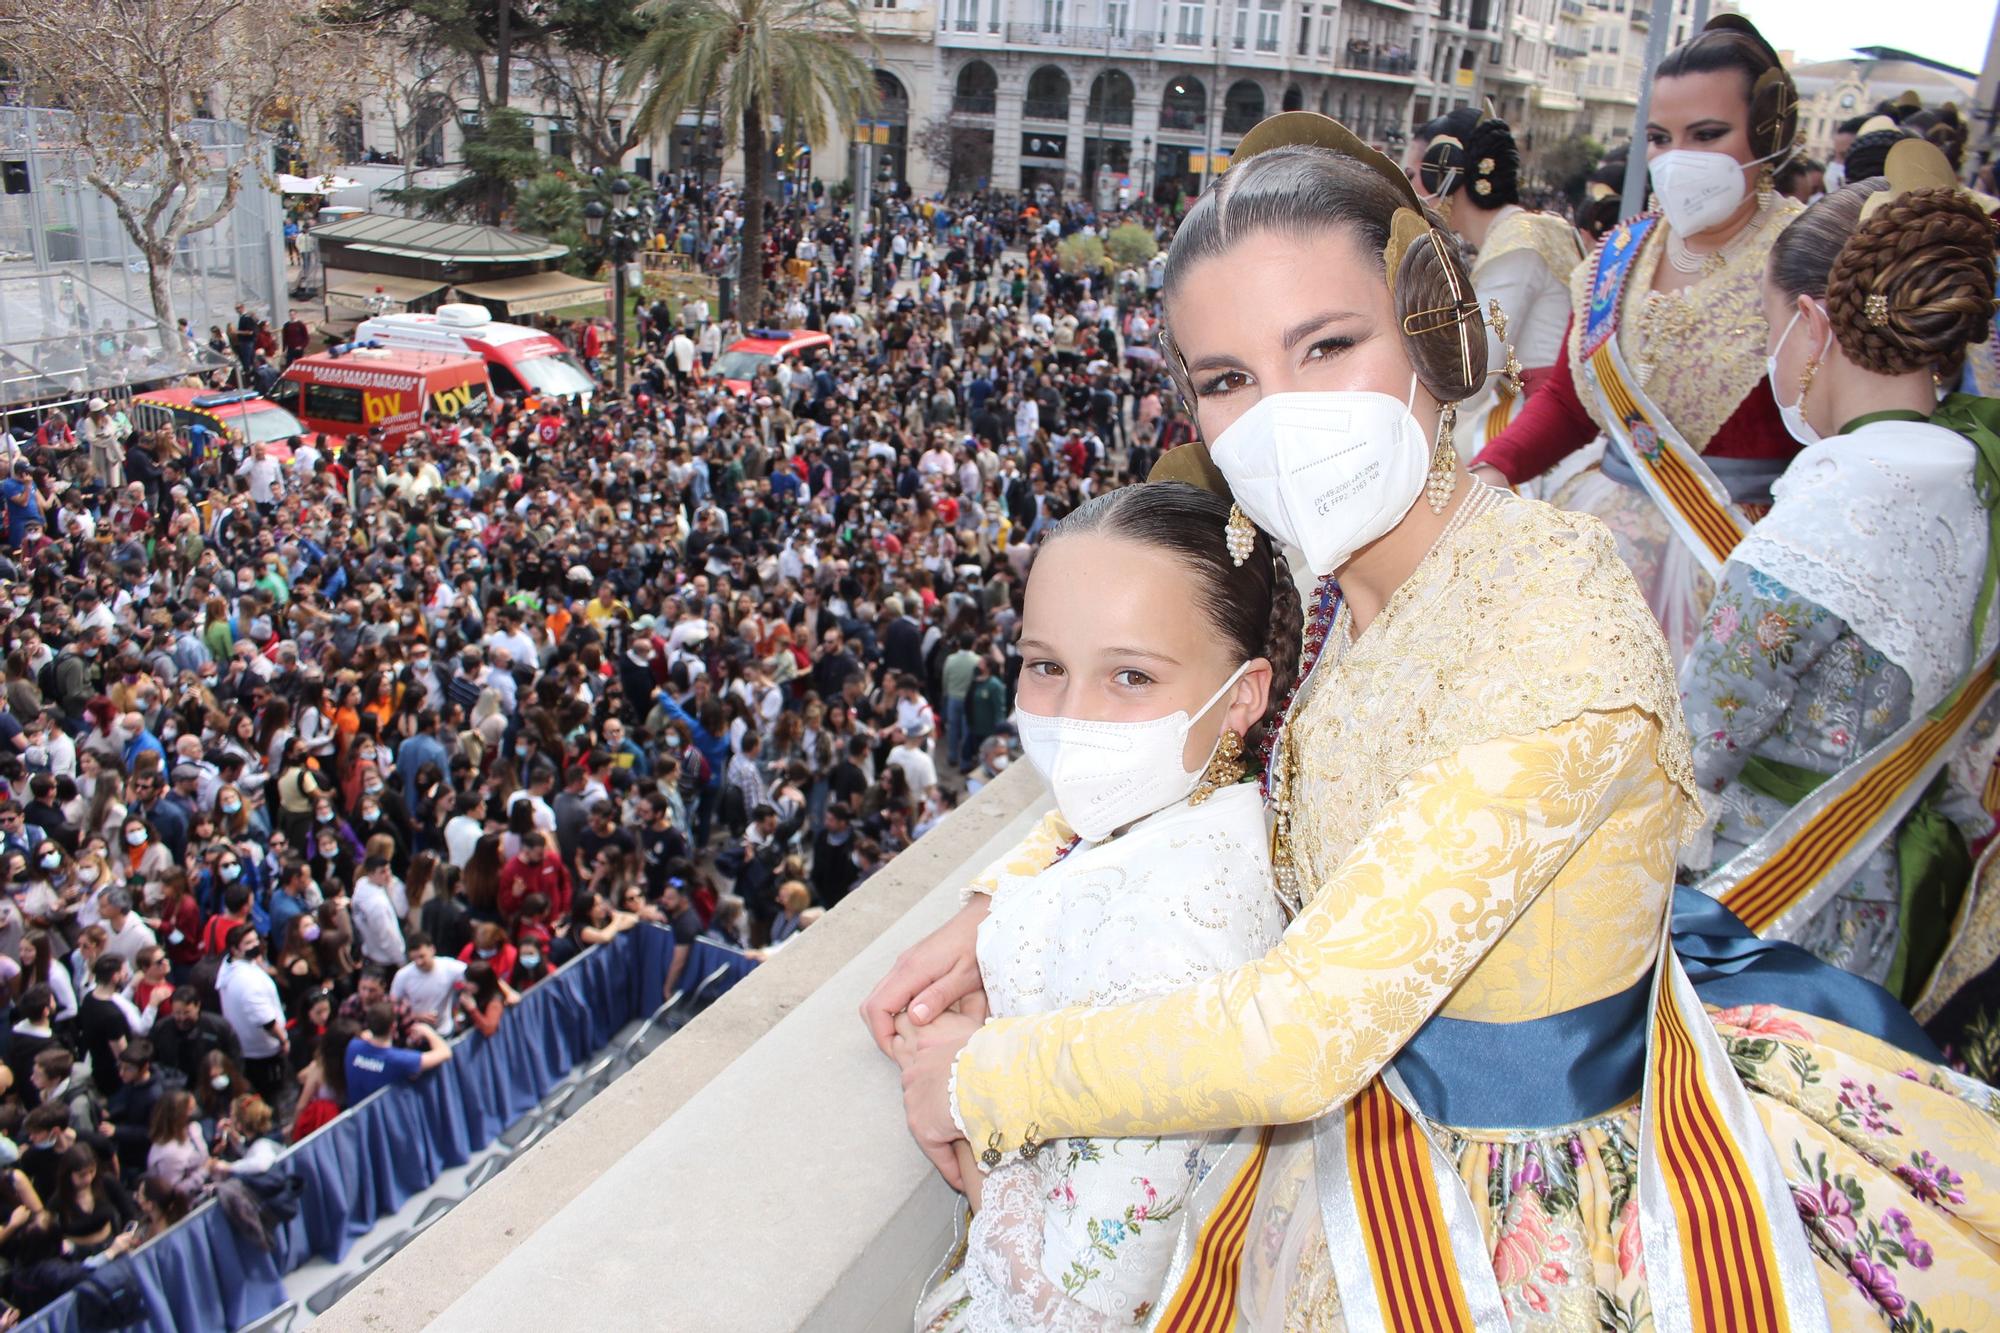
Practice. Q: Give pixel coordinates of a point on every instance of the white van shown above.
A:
(519, 360)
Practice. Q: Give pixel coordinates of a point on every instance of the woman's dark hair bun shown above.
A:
(1913, 286)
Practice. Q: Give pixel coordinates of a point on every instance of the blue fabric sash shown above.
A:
(1729, 965)
(1748, 479)
(1586, 1061)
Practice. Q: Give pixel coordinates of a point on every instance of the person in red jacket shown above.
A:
(533, 870)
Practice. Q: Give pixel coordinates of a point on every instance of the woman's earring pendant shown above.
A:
(1224, 769)
(1443, 479)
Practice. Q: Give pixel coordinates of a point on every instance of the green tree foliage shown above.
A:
(758, 59)
(1082, 254)
(500, 154)
(1131, 245)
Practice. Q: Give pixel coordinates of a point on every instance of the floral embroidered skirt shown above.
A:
(1893, 1164)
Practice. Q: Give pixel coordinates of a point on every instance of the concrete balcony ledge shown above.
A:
(752, 1174)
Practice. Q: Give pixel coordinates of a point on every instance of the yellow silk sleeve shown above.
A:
(1030, 856)
(1464, 845)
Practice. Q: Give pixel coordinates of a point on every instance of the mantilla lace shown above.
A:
(1841, 534)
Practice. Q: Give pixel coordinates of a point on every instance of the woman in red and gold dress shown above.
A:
(1664, 357)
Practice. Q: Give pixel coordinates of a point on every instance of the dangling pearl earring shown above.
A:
(1443, 478)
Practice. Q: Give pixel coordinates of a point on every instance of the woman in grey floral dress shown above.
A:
(1862, 600)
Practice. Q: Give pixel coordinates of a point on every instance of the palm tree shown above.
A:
(757, 59)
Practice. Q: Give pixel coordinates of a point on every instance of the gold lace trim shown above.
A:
(1697, 352)
(1522, 619)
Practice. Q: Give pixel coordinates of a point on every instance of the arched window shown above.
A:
(1110, 99)
(977, 88)
(1242, 107)
(1295, 100)
(1048, 95)
(1184, 106)
(893, 100)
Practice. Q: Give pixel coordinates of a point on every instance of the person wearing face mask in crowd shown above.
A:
(1471, 174)
(1480, 1012)
(1655, 358)
(254, 1011)
(1861, 603)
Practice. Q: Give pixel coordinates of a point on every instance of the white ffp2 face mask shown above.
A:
(1326, 472)
(1696, 189)
(1792, 414)
(1105, 775)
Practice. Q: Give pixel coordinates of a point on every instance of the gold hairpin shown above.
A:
(1876, 309)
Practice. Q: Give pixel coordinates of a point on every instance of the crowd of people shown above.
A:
(307, 768)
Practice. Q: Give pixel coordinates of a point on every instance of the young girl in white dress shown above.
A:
(1153, 658)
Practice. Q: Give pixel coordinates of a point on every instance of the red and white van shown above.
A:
(352, 389)
(518, 359)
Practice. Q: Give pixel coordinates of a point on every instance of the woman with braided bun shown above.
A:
(1661, 359)
(1522, 266)
(1497, 1099)
(1859, 608)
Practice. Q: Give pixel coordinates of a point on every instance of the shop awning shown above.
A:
(348, 286)
(536, 293)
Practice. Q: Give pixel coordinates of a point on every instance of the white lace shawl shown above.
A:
(1882, 528)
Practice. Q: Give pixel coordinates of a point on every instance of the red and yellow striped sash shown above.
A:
(1789, 873)
(1206, 1299)
(1713, 525)
(1725, 1237)
(1410, 1256)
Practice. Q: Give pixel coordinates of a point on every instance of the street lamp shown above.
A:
(622, 243)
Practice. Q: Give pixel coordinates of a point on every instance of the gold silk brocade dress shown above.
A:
(1486, 791)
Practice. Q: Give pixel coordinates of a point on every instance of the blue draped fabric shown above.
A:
(1592, 1058)
(1729, 965)
(704, 956)
(202, 1276)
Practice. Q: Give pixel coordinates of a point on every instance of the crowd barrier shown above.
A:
(203, 1275)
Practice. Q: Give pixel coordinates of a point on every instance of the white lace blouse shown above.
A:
(1081, 1237)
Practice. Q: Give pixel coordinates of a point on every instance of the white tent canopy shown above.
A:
(313, 184)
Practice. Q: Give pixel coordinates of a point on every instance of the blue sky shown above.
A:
(1953, 31)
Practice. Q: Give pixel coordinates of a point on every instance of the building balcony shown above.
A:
(1573, 8)
(1107, 115)
(1375, 62)
(908, 25)
(1571, 53)
(1182, 118)
(1041, 109)
(752, 1174)
(1079, 38)
(1557, 99)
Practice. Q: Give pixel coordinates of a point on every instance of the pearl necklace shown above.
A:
(1685, 260)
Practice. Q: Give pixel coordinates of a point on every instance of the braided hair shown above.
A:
(1913, 286)
(1907, 290)
(1254, 605)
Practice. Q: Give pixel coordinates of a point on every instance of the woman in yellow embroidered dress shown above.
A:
(1682, 311)
(1480, 788)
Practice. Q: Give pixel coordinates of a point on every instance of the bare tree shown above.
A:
(585, 86)
(139, 76)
